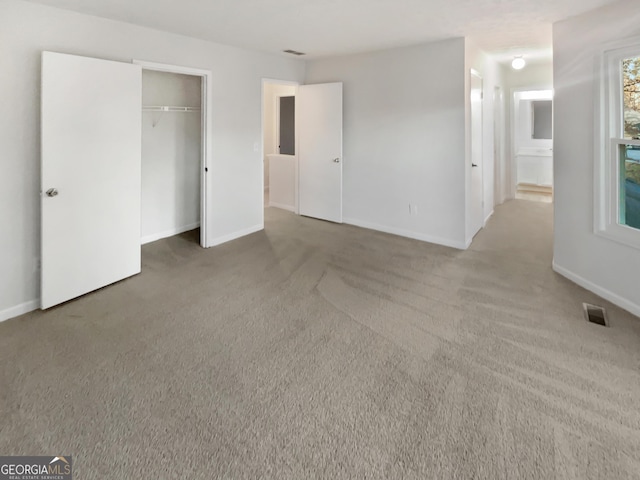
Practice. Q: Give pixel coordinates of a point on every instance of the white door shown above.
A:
(91, 151)
(319, 126)
(477, 195)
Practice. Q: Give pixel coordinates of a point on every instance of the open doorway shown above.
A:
(302, 148)
(279, 145)
(176, 108)
(532, 131)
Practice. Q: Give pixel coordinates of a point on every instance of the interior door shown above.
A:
(477, 194)
(319, 126)
(91, 160)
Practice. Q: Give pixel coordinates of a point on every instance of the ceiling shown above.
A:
(337, 27)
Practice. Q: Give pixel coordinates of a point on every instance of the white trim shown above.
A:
(206, 133)
(169, 68)
(289, 208)
(469, 241)
(168, 233)
(236, 235)
(18, 310)
(621, 302)
(407, 233)
(488, 217)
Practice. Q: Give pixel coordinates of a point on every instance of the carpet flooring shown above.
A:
(315, 350)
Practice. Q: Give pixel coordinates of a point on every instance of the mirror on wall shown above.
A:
(542, 119)
(287, 126)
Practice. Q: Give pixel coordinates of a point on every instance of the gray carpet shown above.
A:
(314, 350)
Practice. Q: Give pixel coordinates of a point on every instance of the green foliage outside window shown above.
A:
(631, 93)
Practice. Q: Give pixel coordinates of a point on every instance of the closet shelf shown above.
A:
(166, 108)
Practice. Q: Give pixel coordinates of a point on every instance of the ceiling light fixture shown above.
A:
(518, 63)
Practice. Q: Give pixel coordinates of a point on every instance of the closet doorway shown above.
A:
(175, 149)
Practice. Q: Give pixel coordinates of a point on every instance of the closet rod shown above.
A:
(163, 108)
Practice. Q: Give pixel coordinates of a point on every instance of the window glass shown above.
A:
(631, 97)
(629, 207)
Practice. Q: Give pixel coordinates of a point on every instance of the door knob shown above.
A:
(336, 160)
(52, 192)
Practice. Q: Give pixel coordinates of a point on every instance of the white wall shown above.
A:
(404, 138)
(164, 88)
(492, 75)
(282, 181)
(235, 177)
(171, 155)
(603, 266)
(271, 93)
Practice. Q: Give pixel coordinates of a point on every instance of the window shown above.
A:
(629, 154)
(618, 147)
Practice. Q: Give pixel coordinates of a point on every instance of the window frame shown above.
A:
(609, 136)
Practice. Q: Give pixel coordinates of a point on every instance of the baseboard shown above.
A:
(598, 290)
(18, 310)
(487, 219)
(235, 235)
(168, 233)
(406, 233)
(468, 242)
(283, 206)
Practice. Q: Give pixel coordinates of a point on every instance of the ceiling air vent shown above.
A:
(294, 52)
(595, 314)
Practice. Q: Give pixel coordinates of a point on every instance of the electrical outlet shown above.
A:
(413, 209)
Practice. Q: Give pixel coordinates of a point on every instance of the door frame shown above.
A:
(264, 83)
(206, 133)
(499, 167)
